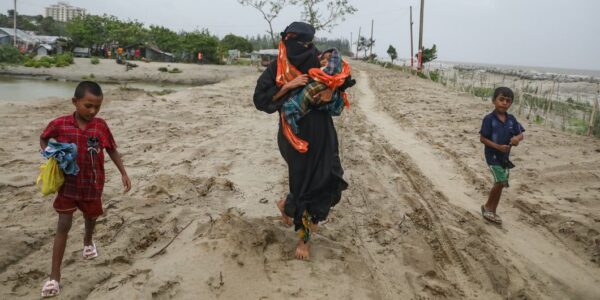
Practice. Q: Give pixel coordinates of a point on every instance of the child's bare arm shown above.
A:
(115, 156)
(299, 81)
(43, 143)
(489, 143)
(516, 139)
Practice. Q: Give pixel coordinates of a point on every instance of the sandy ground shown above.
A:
(109, 71)
(201, 221)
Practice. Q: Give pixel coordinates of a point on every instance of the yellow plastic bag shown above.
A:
(51, 177)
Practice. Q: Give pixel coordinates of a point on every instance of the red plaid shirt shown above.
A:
(87, 185)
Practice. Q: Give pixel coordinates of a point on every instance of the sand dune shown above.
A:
(201, 222)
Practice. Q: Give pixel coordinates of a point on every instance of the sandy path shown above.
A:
(570, 272)
(201, 217)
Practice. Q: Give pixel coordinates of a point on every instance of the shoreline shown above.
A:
(107, 71)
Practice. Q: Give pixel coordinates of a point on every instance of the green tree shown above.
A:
(365, 44)
(230, 42)
(48, 26)
(88, 31)
(391, 51)
(125, 33)
(429, 54)
(201, 41)
(324, 16)
(164, 38)
(269, 10)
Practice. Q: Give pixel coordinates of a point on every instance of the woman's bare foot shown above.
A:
(302, 250)
(281, 205)
(313, 228)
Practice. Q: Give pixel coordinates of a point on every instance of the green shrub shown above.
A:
(64, 59)
(422, 75)
(483, 92)
(10, 54)
(163, 69)
(29, 62)
(92, 76)
(94, 61)
(175, 70)
(434, 75)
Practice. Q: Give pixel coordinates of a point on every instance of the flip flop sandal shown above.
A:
(90, 252)
(50, 289)
(489, 216)
(498, 219)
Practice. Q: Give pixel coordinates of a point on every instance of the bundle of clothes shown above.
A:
(326, 91)
(65, 155)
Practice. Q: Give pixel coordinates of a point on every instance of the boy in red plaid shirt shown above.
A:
(84, 190)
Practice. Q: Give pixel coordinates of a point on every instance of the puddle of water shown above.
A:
(17, 89)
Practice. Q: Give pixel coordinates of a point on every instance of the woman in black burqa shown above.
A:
(315, 177)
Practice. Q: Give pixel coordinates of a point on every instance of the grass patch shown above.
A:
(94, 61)
(60, 60)
(483, 92)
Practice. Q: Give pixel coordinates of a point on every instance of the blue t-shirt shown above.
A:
(500, 133)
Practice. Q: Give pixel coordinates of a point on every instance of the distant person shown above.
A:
(137, 54)
(200, 57)
(84, 190)
(315, 176)
(500, 131)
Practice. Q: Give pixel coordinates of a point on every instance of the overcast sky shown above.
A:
(557, 33)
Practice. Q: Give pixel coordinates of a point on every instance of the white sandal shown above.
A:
(50, 289)
(90, 252)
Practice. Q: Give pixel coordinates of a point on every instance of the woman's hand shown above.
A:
(299, 81)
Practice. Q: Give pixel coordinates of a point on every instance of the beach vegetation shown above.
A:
(391, 51)
(365, 44)
(165, 38)
(434, 75)
(37, 23)
(10, 55)
(94, 60)
(422, 75)
(175, 70)
(429, 54)
(483, 92)
(59, 60)
(343, 45)
(200, 41)
(163, 69)
(231, 42)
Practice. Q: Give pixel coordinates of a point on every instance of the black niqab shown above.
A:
(303, 58)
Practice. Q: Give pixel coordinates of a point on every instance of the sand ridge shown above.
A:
(201, 220)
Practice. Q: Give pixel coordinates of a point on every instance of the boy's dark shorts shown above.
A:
(91, 209)
(500, 174)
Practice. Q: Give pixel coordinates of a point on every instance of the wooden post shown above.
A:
(357, 42)
(420, 62)
(411, 40)
(371, 40)
(593, 116)
(15, 25)
(521, 98)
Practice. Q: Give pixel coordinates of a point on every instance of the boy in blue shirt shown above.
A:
(499, 132)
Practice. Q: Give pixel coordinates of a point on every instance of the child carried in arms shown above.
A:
(325, 92)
